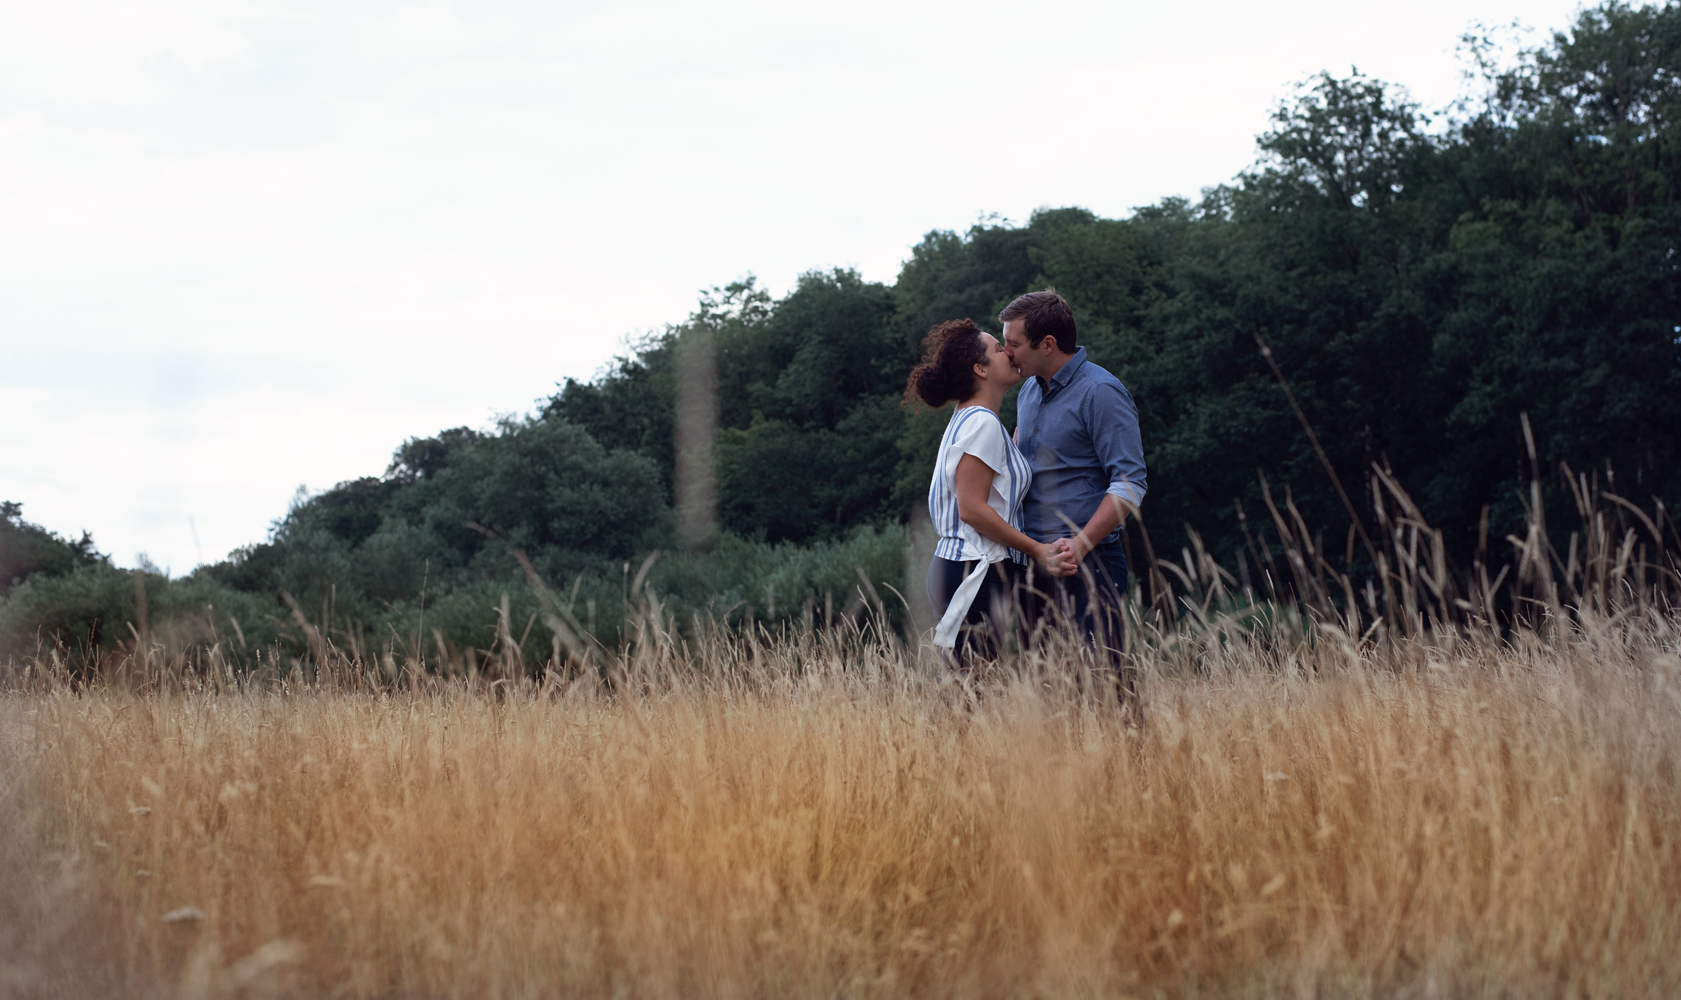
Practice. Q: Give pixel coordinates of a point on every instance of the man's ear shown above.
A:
(1050, 338)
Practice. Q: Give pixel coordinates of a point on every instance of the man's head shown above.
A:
(1039, 333)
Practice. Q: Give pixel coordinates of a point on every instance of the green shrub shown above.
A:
(95, 609)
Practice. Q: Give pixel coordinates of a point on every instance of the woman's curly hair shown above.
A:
(950, 353)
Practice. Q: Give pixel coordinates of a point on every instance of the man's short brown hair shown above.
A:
(1044, 314)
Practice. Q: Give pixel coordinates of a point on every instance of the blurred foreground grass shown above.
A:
(817, 815)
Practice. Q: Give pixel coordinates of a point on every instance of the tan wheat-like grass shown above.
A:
(811, 818)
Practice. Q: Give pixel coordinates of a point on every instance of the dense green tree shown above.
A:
(1317, 251)
(1567, 272)
(807, 449)
(628, 406)
(807, 446)
(29, 549)
(543, 484)
(970, 276)
(547, 483)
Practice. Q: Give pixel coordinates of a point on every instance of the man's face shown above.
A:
(1034, 362)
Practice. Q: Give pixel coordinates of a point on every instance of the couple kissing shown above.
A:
(1029, 521)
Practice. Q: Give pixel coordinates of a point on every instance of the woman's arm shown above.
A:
(974, 482)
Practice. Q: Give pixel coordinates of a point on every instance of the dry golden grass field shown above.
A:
(819, 817)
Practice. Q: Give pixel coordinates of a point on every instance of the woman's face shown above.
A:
(1000, 370)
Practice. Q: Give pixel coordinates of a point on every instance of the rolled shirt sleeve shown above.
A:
(1114, 429)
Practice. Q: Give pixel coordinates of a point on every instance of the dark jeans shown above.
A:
(990, 616)
(1091, 602)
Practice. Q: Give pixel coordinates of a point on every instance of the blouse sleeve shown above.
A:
(982, 435)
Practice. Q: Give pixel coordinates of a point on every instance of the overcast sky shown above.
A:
(248, 246)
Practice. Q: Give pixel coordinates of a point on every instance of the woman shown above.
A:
(975, 499)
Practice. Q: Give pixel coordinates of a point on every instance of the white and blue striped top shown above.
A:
(977, 431)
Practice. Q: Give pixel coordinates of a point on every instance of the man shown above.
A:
(1078, 427)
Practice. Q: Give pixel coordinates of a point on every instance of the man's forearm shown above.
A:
(1111, 514)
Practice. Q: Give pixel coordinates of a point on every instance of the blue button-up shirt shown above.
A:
(1079, 429)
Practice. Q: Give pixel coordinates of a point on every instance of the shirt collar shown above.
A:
(1066, 372)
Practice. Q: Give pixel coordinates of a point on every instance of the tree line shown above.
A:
(1422, 282)
(1425, 283)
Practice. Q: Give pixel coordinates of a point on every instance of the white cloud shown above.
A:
(103, 55)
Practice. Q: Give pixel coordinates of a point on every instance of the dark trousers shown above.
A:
(990, 617)
(1091, 603)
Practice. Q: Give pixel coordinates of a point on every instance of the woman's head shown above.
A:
(957, 356)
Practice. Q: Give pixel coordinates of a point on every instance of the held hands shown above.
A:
(1059, 558)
